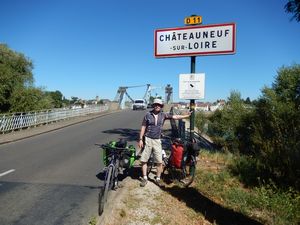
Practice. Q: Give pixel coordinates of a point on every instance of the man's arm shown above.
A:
(179, 117)
(142, 132)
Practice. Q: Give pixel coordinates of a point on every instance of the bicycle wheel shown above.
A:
(168, 172)
(103, 193)
(115, 180)
(150, 165)
(188, 171)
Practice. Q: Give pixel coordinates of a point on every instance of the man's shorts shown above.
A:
(155, 145)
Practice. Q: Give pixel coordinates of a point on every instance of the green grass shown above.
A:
(93, 221)
(265, 203)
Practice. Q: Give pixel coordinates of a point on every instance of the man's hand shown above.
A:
(141, 144)
(179, 117)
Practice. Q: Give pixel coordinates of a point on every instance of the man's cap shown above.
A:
(158, 101)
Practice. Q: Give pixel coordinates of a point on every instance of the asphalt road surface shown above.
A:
(52, 178)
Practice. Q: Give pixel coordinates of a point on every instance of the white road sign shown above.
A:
(191, 86)
(214, 39)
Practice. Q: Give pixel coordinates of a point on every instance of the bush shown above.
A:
(223, 123)
(201, 122)
(268, 131)
(247, 169)
(274, 128)
(266, 202)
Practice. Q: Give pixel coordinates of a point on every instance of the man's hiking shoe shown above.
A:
(159, 183)
(143, 182)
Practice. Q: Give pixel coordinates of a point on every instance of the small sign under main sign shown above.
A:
(193, 20)
(191, 86)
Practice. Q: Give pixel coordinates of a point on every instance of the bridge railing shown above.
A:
(10, 122)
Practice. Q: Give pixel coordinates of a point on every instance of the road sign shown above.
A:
(214, 39)
(191, 86)
(193, 20)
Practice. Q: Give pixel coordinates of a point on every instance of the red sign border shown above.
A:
(196, 53)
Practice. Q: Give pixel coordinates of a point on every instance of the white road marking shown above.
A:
(7, 172)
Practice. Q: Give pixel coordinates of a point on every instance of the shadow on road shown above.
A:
(134, 173)
(125, 133)
(212, 211)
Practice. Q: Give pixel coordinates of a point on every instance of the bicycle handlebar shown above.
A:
(116, 149)
(111, 147)
(173, 139)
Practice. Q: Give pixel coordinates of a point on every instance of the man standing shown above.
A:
(151, 130)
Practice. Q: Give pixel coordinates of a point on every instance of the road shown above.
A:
(52, 178)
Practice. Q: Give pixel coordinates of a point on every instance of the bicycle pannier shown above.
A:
(132, 155)
(106, 153)
(177, 155)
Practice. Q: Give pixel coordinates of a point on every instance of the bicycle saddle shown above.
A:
(122, 143)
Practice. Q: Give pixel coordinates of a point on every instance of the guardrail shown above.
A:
(31, 119)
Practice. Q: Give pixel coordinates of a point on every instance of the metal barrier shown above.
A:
(23, 120)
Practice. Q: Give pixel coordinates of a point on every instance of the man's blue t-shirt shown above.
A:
(154, 130)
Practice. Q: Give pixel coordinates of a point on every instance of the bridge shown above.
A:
(122, 92)
(19, 121)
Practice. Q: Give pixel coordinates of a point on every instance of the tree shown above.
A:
(30, 99)
(66, 102)
(287, 85)
(224, 123)
(293, 6)
(15, 73)
(201, 121)
(272, 132)
(73, 99)
(268, 131)
(247, 101)
(17, 91)
(57, 97)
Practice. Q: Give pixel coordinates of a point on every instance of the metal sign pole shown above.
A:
(192, 101)
(193, 20)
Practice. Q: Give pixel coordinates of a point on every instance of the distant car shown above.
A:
(139, 104)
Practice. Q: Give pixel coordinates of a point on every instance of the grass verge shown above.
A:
(265, 203)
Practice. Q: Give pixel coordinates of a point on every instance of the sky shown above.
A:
(89, 48)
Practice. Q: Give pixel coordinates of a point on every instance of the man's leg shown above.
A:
(144, 159)
(144, 169)
(159, 169)
(158, 180)
(158, 159)
(144, 178)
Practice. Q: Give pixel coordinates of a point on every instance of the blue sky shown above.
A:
(85, 48)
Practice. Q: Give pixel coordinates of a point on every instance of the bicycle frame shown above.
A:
(111, 173)
(114, 165)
